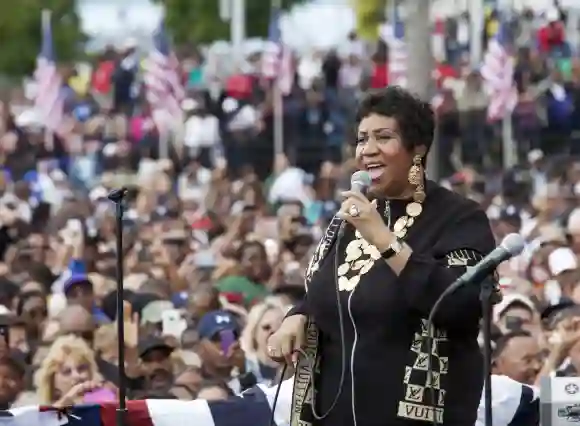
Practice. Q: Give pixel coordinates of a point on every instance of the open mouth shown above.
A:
(375, 170)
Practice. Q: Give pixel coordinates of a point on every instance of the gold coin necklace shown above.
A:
(402, 224)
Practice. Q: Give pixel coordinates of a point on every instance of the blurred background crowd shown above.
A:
(233, 159)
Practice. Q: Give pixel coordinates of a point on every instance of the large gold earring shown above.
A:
(415, 178)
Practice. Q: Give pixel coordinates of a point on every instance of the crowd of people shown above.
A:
(218, 235)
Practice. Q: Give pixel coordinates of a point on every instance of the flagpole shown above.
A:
(278, 104)
(46, 16)
(238, 29)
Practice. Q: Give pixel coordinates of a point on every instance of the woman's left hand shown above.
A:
(361, 213)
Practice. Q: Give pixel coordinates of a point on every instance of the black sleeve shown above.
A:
(528, 411)
(300, 308)
(427, 274)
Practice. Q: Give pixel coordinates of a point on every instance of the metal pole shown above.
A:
(278, 102)
(476, 31)
(117, 196)
(238, 28)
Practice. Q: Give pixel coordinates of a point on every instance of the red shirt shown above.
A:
(550, 36)
(239, 86)
(380, 76)
(442, 72)
(101, 80)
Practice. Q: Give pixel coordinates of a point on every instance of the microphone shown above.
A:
(511, 246)
(360, 181)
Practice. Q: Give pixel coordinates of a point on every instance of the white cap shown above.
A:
(561, 260)
(29, 118)
(229, 105)
(573, 226)
(535, 155)
(508, 300)
(98, 193)
(552, 15)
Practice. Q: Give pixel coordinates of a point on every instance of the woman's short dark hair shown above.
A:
(415, 118)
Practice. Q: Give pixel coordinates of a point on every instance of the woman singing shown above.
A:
(363, 322)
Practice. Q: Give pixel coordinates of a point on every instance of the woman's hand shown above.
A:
(290, 337)
(361, 213)
(75, 393)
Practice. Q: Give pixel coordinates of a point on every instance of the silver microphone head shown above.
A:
(360, 181)
(513, 243)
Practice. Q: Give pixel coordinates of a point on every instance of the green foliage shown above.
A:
(198, 21)
(369, 15)
(20, 32)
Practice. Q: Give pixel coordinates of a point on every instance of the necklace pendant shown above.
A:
(400, 224)
(414, 209)
(401, 234)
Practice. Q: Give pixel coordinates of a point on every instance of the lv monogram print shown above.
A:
(417, 403)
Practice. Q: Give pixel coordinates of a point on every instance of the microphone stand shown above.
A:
(117, 196)
(487, 297)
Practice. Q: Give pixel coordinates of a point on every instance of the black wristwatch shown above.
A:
(393, 250)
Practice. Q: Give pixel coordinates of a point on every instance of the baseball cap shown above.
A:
(150, 343)
(510, 300)
(152, 312)
(561, 260)
(16, 360)
(573, 225)
(553, 314)
(215, 321)
(76, 279)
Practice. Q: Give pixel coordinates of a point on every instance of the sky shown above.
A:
(112, 21)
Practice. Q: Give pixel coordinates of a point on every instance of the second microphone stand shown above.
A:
(488, 297)
(117, 196)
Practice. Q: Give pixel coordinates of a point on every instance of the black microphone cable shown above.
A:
(430, 337)
(312, 362)
(430, 331)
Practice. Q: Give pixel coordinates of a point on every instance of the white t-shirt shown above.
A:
(202, 132)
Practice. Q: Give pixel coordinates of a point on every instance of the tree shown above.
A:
(420, 60)
(20, 32)
(370, 14)
(198, 21)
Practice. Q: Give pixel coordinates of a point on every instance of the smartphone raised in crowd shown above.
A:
(100, 395)
(513, 323)
(227, 339)
(173, 323)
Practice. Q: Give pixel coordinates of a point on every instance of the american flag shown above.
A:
(514, 404)
(162, 79)
(49, 100)
(277, 62)
(497, 72)
(397, 53)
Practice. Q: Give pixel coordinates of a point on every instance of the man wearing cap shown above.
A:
(563, 266)
(78, 290)
(155, 356)
(564, 357)
(515, 312)
(220, 352)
